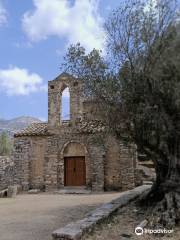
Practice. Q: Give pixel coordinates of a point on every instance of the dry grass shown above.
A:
(122, 226)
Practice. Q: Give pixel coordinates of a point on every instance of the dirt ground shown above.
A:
(35, 217)
(122, 226)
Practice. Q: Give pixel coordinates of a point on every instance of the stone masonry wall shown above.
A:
(39, 161)
(6, 171)
(22, 155)
(29, 162)
(113, 179)
(54, 160)
(108, 165)
(128, 164)
(119, 165)
(55, 89)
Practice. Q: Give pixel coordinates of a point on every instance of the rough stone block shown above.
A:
(34, 191)
(3, 193)
(12, 191)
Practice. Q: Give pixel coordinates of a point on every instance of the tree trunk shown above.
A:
(164, 197)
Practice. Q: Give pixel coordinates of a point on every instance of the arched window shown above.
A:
(65, 107)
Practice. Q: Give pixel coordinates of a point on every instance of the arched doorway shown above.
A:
(74, 165)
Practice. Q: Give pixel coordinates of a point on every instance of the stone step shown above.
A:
(73, 190)
(147, 183)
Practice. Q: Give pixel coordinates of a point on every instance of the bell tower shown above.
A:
(55, 90)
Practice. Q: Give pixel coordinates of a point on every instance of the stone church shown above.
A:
(74, 152)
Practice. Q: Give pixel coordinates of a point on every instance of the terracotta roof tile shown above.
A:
(40, 129)
(35, 129)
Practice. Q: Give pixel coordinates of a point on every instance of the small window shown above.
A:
(52, 86)
(65, 107)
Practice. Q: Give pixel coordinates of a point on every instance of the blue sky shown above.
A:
(34, 37)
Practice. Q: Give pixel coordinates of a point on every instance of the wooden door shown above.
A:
(75, 171)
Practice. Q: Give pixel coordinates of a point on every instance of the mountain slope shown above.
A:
(13, 125)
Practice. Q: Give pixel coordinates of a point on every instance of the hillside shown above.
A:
(16, 124)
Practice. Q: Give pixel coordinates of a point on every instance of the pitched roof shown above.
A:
(63, 75)
(35, 129)
(41, 129)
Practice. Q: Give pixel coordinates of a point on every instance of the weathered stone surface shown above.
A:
(34, 191)
(6, 171)
(74, 231)
(3, 193)
(70, 232)
(144, 174)
(73, 191)
(12, 191)
(143, 223)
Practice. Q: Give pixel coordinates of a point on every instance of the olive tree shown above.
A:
(137, 82)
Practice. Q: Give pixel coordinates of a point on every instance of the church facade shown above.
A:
(74, 152)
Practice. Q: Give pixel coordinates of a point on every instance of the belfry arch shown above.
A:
(65, 105)
(56, 89)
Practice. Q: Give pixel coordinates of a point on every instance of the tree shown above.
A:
(138, 83)
(5, 144)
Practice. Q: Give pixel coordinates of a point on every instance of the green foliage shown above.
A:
(90, 68)
(5, 144)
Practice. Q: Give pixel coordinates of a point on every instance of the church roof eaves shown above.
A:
(35, 129)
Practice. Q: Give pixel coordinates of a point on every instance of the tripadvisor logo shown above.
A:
(140, 231)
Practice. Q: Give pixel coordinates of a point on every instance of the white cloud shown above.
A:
(80, 22)
(3, 15)
(18, 81)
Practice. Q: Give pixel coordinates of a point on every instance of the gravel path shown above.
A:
(35, 217)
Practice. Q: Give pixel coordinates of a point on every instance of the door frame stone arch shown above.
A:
(61, 156)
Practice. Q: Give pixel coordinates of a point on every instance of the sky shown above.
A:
(34, 37)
